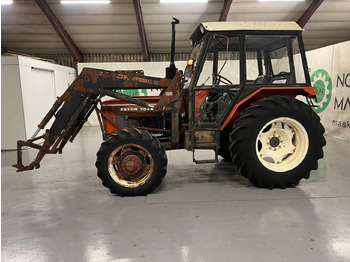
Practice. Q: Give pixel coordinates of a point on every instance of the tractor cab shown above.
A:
(232, 60)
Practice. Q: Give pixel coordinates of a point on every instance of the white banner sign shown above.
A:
(330, 73)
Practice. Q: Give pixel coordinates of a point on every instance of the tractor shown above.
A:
(240, 95)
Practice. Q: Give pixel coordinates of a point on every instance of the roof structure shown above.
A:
(143, 26)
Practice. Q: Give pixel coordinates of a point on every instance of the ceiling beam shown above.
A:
(302, 21)
(6, 50)
(62, 33)
(142, 32)
(225, 10)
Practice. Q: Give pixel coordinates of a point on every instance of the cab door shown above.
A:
(213, 94)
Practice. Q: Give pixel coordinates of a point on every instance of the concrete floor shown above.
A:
(61, 212)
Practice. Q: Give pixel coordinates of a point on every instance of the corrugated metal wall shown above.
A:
(67, 60)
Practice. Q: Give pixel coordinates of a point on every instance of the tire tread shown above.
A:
(137, 135)
(253, 114)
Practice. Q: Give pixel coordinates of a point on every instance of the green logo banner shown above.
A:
(133, 92)
(323, 82)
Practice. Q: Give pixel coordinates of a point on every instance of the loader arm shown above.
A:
(74, 107)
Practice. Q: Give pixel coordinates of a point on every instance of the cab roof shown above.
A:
(251, 25)
(243, 26)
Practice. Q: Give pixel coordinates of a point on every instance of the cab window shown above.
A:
(273, 59)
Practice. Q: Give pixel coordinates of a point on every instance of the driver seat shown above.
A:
(263, 79)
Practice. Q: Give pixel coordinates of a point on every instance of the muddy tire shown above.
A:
(131, 162)
(277, 141)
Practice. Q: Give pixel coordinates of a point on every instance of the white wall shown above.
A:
(29, 88)
(12, 115)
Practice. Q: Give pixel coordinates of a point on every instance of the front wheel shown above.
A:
(277, 141)
(131, 162)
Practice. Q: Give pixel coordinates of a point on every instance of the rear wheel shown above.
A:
(131, 162)
(277, 141)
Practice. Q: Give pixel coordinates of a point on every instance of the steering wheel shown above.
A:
(222, 79)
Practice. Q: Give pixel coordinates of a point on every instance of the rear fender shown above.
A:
(265, 92)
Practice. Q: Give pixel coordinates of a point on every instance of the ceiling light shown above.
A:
(6, 2)
(85, 1)
(182, 1)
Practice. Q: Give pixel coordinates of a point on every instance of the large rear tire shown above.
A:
(277, 141)
(131, 162)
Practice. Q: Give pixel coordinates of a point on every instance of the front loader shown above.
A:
(238, 96)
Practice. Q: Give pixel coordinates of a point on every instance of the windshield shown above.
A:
(221, 65)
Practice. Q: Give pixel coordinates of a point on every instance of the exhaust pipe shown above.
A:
(172, 70)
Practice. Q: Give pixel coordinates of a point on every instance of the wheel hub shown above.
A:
(274, 141)
(130, 164)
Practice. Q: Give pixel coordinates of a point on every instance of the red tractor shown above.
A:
(237, 96)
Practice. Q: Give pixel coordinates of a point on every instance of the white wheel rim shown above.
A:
(282, 144)
(120, 177)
